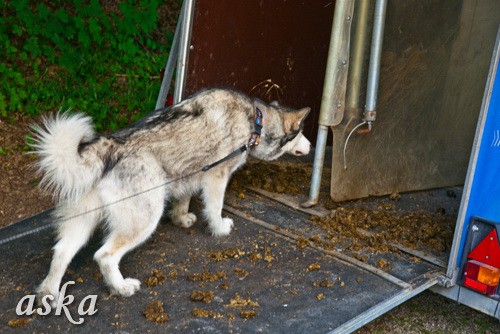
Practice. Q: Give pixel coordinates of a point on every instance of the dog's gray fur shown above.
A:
(86, 171)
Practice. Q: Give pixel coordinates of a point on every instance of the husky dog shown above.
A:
(123, 179)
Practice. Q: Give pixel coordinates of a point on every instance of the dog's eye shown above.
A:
(288, 138)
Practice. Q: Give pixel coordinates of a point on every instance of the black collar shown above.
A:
(258, 123)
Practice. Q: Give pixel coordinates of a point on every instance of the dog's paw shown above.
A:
(185, 221)
(50, 299)
(223, 228)
(127, 287)
(45, 296)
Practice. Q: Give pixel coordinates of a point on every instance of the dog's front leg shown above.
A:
(214, 184)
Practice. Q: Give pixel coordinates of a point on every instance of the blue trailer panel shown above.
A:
(481, 195)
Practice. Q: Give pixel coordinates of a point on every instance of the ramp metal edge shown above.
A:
(27, 226)
(379, 309)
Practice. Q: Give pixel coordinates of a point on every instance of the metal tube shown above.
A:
(319, 158)
(333, 98)
(358, 54)
(375, 55)
(172, 58)
(185, 38)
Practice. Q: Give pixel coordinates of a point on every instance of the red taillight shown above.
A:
(481, 277)
(482, 269)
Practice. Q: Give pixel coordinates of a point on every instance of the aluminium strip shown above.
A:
(26, 233)
(379, 309)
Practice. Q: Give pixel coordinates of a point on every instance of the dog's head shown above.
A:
(281, 132)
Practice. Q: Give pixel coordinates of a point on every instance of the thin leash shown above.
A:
(253, 141)
(41, 228)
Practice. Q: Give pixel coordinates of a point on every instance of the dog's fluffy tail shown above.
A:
(66, 173)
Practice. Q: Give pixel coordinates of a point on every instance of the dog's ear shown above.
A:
(294, 120)
(302, 114)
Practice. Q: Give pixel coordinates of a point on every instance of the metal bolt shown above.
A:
(191, 47)
(348, 18)
(344, 62)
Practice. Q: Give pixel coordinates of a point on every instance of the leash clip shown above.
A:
(254, 140)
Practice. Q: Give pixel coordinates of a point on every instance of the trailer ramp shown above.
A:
(273, 274)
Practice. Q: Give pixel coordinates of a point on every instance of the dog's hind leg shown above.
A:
(180, 212)
(214, 186)
(130, 223)
(74, 231)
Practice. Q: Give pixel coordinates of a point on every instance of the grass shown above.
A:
(104, 59)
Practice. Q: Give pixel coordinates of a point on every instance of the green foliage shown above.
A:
(78, 54)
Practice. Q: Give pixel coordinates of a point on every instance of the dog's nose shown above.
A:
(299, 152)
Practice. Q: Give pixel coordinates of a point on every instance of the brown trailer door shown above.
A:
(274, 50)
